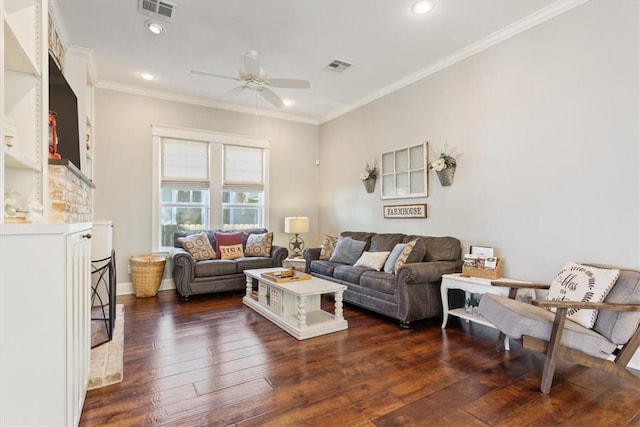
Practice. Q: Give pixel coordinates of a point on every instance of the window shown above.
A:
(404, 172)
(242, 197)
(206, 180)
(184, 200)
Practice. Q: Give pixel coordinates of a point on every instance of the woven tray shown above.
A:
(484, 273)
(275, 277)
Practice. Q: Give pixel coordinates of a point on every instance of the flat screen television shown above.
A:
(63, 101)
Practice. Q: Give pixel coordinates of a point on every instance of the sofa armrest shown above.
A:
(279, 254)
(310, 254)
(425, 272)
(183, 270)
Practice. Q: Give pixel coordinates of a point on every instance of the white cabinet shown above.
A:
(45, 322)
(24, 101)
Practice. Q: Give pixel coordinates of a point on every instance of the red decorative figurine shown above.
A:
(53, 136)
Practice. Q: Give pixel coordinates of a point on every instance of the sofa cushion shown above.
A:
(259, 244)
(227, 239)
(347, 250)
(327, 247)
(619, 326)
(349, 273)
(578, 282)
(249, 232)
(359, 235)
(517, 318)
(404, 255)
(215, 267)
(374, 260)
(385, 242)
(231, 251)
(439, 248)
(250, 263)
(198, 246)
(178, 234)
(324, 268)
(379, 281)
(393, 257)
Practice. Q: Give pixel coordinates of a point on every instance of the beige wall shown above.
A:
(548, 126)
(123, 174)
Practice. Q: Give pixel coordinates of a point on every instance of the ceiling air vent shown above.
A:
(160, 9)
(339, 65)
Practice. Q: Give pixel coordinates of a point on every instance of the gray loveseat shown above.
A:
(216, 275)
(411, 294)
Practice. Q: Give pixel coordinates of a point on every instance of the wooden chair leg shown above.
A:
(552, 350)
(500, 344)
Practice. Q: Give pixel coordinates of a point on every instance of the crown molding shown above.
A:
(505, 33)
(167, 96)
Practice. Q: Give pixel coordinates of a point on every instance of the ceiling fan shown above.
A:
(255, 78)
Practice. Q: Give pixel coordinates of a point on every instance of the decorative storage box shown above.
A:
(485, 273)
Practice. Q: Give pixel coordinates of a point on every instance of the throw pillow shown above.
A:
(259, 245)
(373, 260)
(347, 250)
(404, 255)
(231, 252)
(227, 239)
(198, 246)
(577, 282)
(327, 247)
(393, 257)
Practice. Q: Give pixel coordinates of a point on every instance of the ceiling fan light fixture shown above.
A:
(147, 76)
(421, 7)
(155, 27)
(287, 102)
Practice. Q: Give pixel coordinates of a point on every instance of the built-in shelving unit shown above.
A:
(44, 297)
(24, 101)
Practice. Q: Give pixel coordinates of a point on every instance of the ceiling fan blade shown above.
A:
(252, 63)
(206, 73)
(270, 96)
(234, 91)
(290, 83)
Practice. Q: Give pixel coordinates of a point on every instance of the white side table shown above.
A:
(297, 264)
(474, 285)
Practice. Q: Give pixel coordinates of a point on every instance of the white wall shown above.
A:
(548, 125)
(123, 175)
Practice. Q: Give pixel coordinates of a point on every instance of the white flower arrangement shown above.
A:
(369, 172)
(445, 160)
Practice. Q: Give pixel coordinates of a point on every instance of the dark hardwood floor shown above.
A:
(212, 361)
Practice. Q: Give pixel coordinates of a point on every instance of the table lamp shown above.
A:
(296, 225)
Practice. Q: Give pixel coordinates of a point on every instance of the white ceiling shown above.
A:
(388, 45)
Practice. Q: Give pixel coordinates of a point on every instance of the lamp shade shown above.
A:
(296, 224)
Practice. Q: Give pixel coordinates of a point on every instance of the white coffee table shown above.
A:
(295, 306)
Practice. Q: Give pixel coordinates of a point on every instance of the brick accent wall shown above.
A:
(70, 196)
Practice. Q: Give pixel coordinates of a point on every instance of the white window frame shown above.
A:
(216, 141)
(390, 175)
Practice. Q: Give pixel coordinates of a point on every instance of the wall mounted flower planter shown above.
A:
(446, 176)
(369, 185)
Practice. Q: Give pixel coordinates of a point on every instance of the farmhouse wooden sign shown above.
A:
(405, 211)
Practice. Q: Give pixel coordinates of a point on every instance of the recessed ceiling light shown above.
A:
(147, 76)
(422, 7)
(154, 27)
(287, 102)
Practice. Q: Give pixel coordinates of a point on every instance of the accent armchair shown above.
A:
(608, 346)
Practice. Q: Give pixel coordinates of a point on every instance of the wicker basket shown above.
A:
(485, 273)
(146, 274)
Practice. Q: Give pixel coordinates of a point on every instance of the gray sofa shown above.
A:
(216, 275)
(412, 294)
